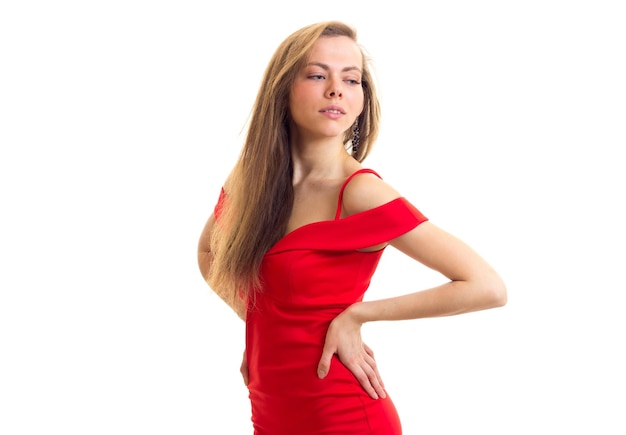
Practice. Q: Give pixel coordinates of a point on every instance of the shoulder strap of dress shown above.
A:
(345, 183)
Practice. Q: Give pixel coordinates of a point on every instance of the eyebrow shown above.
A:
(327, 68)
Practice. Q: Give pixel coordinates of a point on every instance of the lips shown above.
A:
(334, 110)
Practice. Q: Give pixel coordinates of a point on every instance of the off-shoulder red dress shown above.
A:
(309, 277)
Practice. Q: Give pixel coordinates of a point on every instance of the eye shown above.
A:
(353, 81)
(316, 77)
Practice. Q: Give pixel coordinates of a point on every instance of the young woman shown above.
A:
(296, 236)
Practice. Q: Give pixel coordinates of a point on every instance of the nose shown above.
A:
(334, 89)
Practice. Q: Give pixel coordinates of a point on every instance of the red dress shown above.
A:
(309, 277)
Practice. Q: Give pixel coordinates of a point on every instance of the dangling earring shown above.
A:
(355, 138)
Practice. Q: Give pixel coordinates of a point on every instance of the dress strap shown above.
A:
(345, 183)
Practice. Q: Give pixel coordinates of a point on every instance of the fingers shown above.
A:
(344, 339)
(324, 365)
(371, 370)
(244, 373)
(243, 369)
(365, 370)
(366, 373)
(374, 366)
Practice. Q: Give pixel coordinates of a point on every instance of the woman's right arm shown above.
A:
(204, 263)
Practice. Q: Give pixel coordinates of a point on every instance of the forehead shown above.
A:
(339, 51)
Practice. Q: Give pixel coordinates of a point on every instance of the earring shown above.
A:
(355, 137)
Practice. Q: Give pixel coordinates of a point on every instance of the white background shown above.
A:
(504, 122)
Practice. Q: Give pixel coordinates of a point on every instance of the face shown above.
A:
(326, 96)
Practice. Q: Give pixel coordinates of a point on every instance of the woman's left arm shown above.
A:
(473, 284)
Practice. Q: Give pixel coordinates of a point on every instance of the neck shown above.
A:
(318, 159)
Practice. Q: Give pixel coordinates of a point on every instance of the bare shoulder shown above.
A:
(366, 191)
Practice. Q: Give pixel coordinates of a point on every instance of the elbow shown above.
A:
(497, 292)
(204, 264)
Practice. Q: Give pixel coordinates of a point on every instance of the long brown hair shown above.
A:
(259, 189)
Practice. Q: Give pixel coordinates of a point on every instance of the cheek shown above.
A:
(296, 112)
(291, 102)
(300, 100)
(299, 95)
(295, 97)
